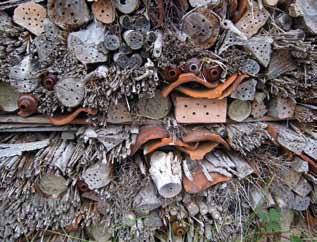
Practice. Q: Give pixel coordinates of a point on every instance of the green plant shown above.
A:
(270, 220)
(295, 238)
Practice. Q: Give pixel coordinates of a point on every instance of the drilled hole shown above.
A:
(172, 73)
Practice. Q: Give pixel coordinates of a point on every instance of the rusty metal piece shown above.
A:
(49, 82)
(82, 186)
(171, 73)
(147, 134)
(211, 73)
(150, 148)
(202, 150)
(195, 110)
(210, 94)
(66, 119)
(185, 78)
(193, 66)
(200, 183)
(27, 104)
(200, 135)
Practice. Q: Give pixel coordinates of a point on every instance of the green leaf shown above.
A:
(272, 227)
(274, 215)
(295, 238)
(262, 215)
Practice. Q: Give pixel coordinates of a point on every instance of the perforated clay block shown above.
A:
(192, 110)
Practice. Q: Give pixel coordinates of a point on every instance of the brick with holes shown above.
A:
(195, 110)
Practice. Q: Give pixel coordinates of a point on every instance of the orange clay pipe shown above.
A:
(185, 78)
(66, 119)
(234, 86)
(210, 94)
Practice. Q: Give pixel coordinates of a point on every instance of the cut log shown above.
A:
(166, 173)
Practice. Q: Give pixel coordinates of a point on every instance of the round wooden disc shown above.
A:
(52, 185)
(70, 92)
(31, 16)
(112, 42)
(156, 107)
(104, 11)
(68, 14)
(135, 61)
(202, 27)
(134, 39)
(142, 24)
(239, 110)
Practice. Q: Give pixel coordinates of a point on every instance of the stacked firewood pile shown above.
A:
(157, 120)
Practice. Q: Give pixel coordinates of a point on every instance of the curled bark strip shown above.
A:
(273, 132)
(311, 162)
(66, 119)
(233, 87)
(201, 151)
(185, 78)
(233, 7)
(205, 135)
(148, 134)
(166, 142)
(210, 94)
(200, 182)
(160, 5)
(242, 8)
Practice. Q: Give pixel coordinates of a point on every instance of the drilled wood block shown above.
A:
(193, 110)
